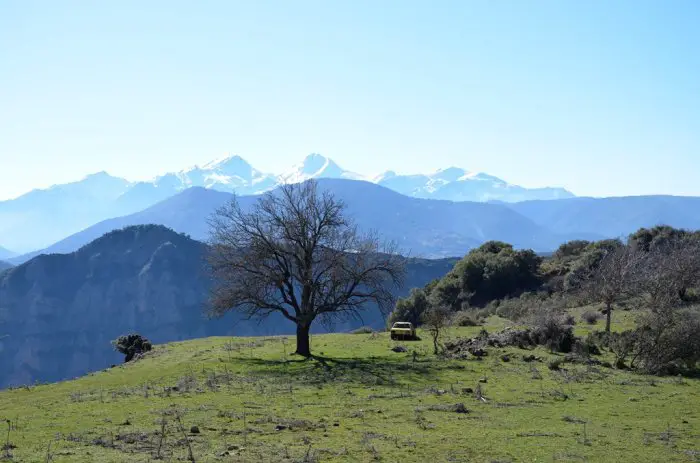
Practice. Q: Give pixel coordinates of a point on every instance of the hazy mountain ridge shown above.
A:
(612, 217)
(6, 253)
(62, 311)
(42, 217)
(421, 227)
(457, 184)
(54, 218)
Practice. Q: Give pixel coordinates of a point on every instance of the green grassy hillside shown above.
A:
(246, 399)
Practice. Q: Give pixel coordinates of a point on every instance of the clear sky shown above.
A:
(600, 96)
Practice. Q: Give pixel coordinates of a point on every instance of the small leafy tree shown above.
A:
(131, 345)
(411, 308)
(436, 320)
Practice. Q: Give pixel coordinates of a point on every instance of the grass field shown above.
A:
(246, 399)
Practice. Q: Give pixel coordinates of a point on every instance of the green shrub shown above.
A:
(552, 330)
(411, 308)
(493, 271)
(131, 345)
(555, 365)
(591, 317)
(463, 318)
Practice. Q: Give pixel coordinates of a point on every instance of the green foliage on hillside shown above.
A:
(492, 271)
(495, 272)
(657, 271)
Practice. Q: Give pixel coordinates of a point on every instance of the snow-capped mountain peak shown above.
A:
(316, 166)
(231, 164)
(389, 174)
(451, 174)
(232, 173)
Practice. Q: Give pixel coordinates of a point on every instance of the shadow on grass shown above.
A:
(349, 370)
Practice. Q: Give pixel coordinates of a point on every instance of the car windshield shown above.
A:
(402, 325)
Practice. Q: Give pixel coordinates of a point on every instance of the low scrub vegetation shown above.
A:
(591, 317)
(655, 274)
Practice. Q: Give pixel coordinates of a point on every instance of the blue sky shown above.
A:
(601, 97)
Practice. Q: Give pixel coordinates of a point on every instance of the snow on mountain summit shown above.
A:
(228, 173)
(316, 166)
(451, 174)
(231, 165)
(234, 174)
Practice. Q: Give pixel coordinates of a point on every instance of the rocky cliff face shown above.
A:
(58, 313)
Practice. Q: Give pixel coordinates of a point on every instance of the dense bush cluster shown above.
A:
(132, 345)
(555, 331)
(465, 318)
(491, 272)
(411, 308)
(656, 270)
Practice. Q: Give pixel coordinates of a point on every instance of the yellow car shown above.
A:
(403, 331)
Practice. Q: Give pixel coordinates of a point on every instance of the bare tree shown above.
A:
(681, 260)
(668, 272)
(435, 320)
(614, 279)
(296, 253)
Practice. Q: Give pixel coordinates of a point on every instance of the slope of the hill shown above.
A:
(59, 312)
(5, 265)
(421, 227)
(235, 399)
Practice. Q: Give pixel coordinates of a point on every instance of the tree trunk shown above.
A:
(608, 317)
(303, 345)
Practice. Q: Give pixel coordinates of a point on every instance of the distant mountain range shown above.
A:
(422, 215)
(421, 227)
(612, 217)
(429, 228)
(5, 253)
(41, 217)
(60, 312)
(455, 184)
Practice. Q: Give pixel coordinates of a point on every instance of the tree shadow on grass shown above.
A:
(347, 370)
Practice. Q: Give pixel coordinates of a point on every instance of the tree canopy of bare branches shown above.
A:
(615, 278)
(670, 270)
(296, 253)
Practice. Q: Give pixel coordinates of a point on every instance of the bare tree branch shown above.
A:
(615, 278)
(296, 253)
